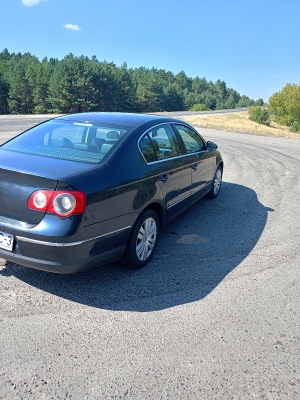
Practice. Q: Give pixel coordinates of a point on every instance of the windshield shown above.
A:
(69, 140)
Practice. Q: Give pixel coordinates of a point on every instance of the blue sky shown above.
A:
(254, 46)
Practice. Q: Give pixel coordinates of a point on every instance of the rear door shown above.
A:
(163, 153)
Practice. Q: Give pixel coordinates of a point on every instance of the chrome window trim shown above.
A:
(171, 158)
(54, 244)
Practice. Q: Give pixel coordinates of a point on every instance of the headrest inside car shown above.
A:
(113, 135)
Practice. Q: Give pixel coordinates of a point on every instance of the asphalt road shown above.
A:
(215, 315)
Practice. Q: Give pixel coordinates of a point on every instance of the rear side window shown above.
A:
(160, 143)
(147, 149)
(69, 140)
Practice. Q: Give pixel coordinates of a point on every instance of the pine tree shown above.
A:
(21, 80)
(3, 96)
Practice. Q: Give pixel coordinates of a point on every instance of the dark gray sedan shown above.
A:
(86, 189)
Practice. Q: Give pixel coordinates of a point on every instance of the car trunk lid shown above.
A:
(22, 174)
(15, 190)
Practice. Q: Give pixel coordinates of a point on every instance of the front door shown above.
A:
(202, 163)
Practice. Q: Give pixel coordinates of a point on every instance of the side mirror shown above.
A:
(211, 146)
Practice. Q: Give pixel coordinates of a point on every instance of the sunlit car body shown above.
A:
(86, 189)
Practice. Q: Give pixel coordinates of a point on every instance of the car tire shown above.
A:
(216, 184)
(142, 241)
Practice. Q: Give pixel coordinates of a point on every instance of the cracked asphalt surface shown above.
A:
(215, 315)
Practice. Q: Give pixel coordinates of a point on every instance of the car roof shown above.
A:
(125, 119)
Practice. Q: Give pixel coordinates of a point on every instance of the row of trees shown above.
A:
(78, 84)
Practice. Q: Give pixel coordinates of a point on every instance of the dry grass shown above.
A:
(239, 122)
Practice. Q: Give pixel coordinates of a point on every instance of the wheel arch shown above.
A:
(159, 211)
(221, 164)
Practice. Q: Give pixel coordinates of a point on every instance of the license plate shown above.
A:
(6, 241)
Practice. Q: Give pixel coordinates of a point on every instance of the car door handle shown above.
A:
(163, 177)
(194, 167)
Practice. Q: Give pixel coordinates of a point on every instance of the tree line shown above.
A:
(78, 84)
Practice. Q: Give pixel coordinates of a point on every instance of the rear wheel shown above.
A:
(142, 240)
(216, 185)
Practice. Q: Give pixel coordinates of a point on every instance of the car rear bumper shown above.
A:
(68, 257)
(64, 267)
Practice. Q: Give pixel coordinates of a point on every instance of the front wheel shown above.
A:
(142, 241)
(216, 185)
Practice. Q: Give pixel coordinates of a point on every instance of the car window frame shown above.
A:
(146, 133)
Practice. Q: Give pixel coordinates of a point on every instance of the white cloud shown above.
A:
(29, 3)
(72, 27)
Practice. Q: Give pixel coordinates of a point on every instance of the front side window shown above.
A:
(160, 143)
(192, 141)
(69, 140)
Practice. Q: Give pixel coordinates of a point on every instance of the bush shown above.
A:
(260, 115)
(295, 127)
(199, 107)
(286, 104)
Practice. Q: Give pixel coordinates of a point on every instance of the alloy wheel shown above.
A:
(217, 181)
(146, 238)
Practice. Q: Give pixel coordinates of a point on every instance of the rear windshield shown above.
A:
(69, 140)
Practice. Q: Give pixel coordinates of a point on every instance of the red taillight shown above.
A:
(40, 200)
(60, 202)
